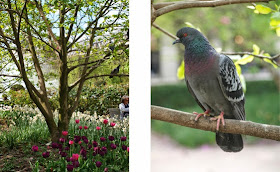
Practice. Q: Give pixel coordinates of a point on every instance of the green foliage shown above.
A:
(20, 97)
(274, 10)
(99, 98)
(264, 94)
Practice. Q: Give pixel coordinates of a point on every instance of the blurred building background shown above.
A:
(233, 28)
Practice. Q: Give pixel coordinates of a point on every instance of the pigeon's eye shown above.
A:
(185, 35)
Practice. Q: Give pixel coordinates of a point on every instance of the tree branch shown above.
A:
(232, 126)
(12, 76)
(273, 58)
(163, 8)
(98, 76)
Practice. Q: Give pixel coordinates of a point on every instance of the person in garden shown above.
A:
(124, 107)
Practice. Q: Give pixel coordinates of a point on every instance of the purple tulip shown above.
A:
(77, 139)
(35, 148)
(94, 153)
(113, 146)
(111, 138)
(86, 141)
(123, 139)
(70, 167)
(95, 144)
(102, 139)
(84, 138)
(124, 147)
(83, 152)
(98, 164)
(62, 140)
(101, 153)
(68, 159)
(104, 149)
(63, 154)
(76, 164)
(46, 154)
(54, 145)
(67, 148)
(89, 146)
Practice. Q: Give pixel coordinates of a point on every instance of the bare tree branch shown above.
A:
(232, 126)
(98, 76)
(12, 76)
(161, 8)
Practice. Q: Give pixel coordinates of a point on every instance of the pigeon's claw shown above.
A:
(219, 119)
(198, 115)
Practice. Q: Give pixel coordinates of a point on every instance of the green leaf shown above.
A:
(245, 59)
(278, 31)
(275, 16)
(263, 9)
(269, 61)
(238, 69)
(181, 71)
(256, 49)
(243, 82)
(192, 26)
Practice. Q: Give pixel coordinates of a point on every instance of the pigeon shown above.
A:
(115, 71)
(213, 82)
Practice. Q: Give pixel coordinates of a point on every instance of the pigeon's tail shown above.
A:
(229, 142)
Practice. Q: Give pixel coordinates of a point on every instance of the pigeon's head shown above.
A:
(187, 34)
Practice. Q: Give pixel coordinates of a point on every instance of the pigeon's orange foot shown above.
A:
(198, 115)
(219, 119)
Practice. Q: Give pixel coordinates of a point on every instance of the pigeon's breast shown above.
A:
(199, 66)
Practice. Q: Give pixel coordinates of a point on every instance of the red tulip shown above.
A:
(80, 127)
(71, 142)
(35, 148)
(105, 121)
(85, 127)
(64, 133)
(75, 157)
(77, 121)
(127, 149)
(98, 128)
(112, 124)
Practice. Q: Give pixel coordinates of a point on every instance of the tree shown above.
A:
(61, 33)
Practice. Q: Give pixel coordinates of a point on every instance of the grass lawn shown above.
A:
(262, 106)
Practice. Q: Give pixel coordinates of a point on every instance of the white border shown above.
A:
(139, 86)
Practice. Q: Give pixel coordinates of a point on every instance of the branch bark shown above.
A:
(163, 8)
(232, 126)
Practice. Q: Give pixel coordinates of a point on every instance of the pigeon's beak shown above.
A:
(176, 41)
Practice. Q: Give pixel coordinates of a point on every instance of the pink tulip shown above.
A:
(85, 127)
(80, 127)
(80, 142)
(64, 133)
(71, 142)
(127, 149)
(98, 128)
(105, 121)
(35, 148)
(112, 124)
(75, 157)
(77, 121)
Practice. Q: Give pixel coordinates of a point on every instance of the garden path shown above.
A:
(169, 156)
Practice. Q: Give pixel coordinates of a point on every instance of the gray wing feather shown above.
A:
(192, 93)
(231, 86)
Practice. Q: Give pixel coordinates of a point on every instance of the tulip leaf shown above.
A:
(181, 71)
(263, 9)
